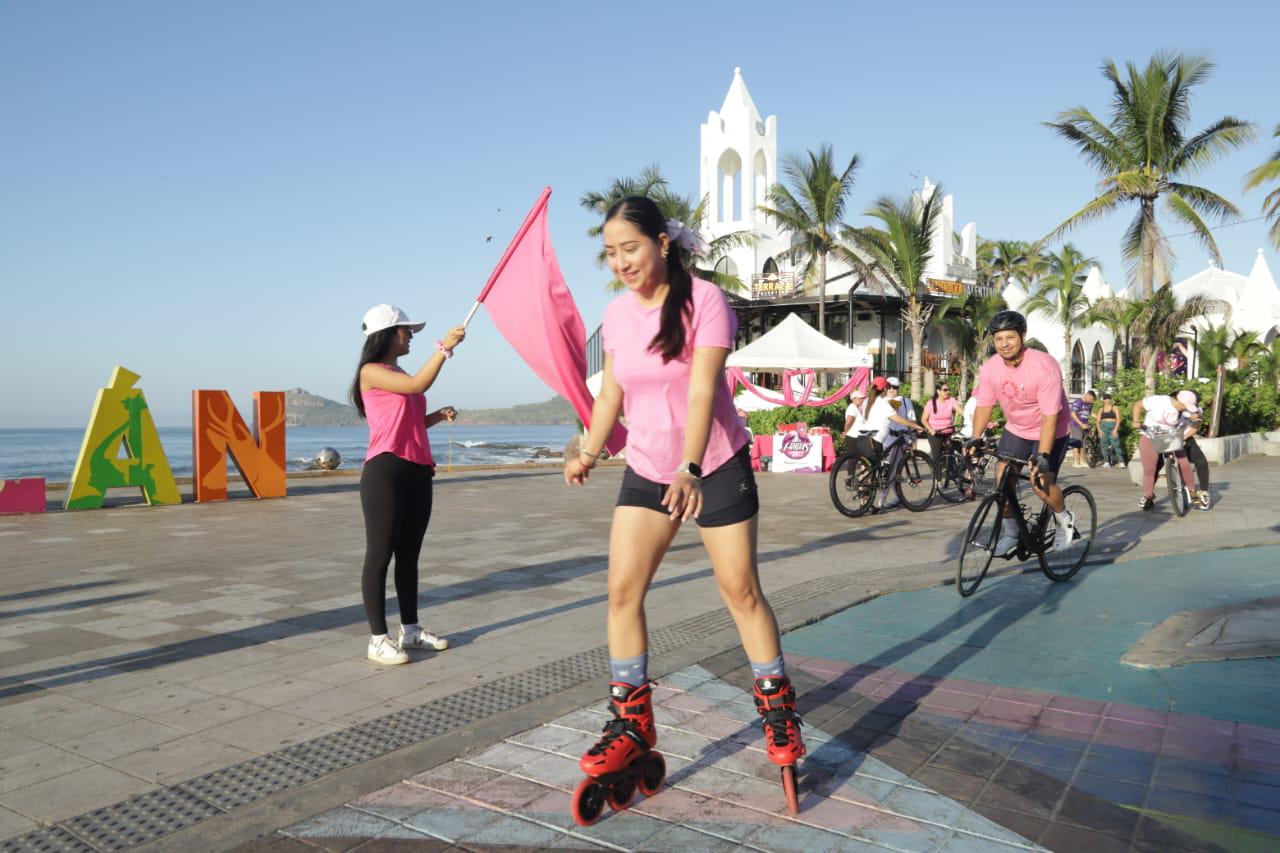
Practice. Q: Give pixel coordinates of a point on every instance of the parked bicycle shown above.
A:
(962, 477)
(857, 480)
(1092, 447)
(1036, 531)
(1168, 442)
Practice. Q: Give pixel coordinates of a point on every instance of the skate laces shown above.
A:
(777, 725)
(614, 729)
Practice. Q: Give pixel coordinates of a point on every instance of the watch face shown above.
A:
(695, 470)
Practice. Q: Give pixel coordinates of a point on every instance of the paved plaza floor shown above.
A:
(193, 677)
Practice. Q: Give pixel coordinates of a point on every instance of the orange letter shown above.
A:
(216, 427)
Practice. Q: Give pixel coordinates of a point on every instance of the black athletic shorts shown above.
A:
(1025, 448)
(728, 493)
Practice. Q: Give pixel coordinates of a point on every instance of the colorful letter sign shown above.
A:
(120, 414)
(216, 428)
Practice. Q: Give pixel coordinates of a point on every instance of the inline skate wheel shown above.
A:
(621, 793)
(789, 788)
(652, 774)
(588, 802)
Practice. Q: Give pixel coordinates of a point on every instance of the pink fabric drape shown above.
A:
(533, 309)
(861, 376)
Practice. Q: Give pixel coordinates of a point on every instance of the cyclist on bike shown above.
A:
(1028, 385)
(1166, 412)
(1195, 455)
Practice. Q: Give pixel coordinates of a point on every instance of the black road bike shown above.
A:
(961, 476)
(1168, 442)
(1036, 531)
(857, 479)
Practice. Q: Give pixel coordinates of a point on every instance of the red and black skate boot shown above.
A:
(623, 760)
(776, 704)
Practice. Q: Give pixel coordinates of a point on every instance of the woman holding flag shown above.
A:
(665, 343)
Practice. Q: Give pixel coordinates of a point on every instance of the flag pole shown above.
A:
(470, 314)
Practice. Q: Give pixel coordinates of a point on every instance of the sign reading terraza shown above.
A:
(773, 285)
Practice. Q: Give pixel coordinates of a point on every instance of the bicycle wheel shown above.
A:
(917, 481)
(1177, 493)
(852, 484)
(1092, 451)
(952, 483)
(978, 548)
(1060, 565)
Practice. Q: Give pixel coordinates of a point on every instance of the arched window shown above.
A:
(770, 266)
(1097, 365)
(729, 201)
(726, 266)
(1077, 369)
(760, 179)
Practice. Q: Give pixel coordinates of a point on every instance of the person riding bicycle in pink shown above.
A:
(1162, 412)
(1028, 386)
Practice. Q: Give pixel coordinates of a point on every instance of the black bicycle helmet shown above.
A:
(1005, 321)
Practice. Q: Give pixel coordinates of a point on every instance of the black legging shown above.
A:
(935, 443)
(1196, 457)
(395, 495)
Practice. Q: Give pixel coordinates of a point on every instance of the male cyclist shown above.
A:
(1028, 385)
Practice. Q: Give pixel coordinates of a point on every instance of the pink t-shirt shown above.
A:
(397, 424)
(656, 395)
(1025, 393)
(941, 413)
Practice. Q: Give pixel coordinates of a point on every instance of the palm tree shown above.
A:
(1008, 262)
(964, 321)
(1213, 349)
(1143, 155)
(1162, 320)
(1269, 171)
(1269, 364)
(898, 254)
(812, 210)
(1244, 346)
(1118, 314)
(1061, 294)
(687, 209)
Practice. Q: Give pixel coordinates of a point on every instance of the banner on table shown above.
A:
(797, 451)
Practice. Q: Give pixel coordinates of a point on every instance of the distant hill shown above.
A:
(304, 409)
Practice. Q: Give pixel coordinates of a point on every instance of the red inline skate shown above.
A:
(776, 704)
(623, 759)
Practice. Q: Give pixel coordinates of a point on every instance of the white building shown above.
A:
(738, 162)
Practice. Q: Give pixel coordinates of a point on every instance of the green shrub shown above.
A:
(830, 416)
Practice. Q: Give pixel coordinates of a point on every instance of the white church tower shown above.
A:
(739, 162)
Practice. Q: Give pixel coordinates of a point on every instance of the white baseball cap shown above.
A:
(895, 381)
(1188, 399)
(381, 317)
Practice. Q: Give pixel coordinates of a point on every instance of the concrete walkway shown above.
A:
(194, 675)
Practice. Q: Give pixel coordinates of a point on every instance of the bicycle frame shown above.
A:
(1006, 491)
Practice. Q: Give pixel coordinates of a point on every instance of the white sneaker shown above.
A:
(1006, 544)
(1065, 533)
(416, 638)
(386, 652)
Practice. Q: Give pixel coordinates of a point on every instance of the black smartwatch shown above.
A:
(691, 468)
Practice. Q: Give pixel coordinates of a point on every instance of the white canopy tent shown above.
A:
(795, 345)
(792, 345)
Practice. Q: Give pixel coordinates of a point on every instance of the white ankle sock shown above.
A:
(412, 626)
(377, 638)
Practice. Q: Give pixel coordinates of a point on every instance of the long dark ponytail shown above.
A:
(644, 214)
(375, 349)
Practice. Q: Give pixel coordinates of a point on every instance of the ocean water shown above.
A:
(51, 453)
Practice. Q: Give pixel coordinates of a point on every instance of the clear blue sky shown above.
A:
(211, 194)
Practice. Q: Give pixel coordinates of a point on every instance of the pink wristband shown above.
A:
(441, 348)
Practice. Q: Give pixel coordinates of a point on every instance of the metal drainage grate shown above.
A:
(150, 816)
(50, 840)
(140, 819)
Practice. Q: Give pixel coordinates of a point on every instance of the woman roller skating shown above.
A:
(665, 343)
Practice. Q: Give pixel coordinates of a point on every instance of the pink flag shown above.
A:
(533, 309)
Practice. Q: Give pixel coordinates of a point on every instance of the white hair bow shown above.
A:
(691, 241)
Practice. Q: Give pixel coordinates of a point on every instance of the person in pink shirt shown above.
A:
(395, 484)
(665, 343)
(940, 418)
(1028, 385)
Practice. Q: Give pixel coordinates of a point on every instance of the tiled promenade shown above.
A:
(193, 677)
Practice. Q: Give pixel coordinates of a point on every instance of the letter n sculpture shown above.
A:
(120, 414)
(218, 429)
